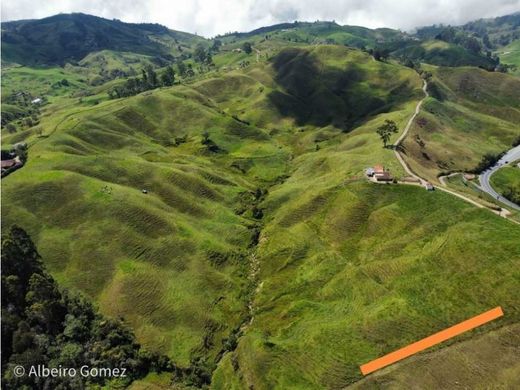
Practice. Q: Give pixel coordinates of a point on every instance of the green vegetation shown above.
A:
(218, 203)
(510, 55)
(45, 325)
(341, 284)
(506, 181)
(64, 38)
(386, 130)
(470, 113)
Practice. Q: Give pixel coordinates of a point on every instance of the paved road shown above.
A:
(512, 155)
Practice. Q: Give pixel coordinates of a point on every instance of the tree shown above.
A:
(199, 55)
(247, 47)
(10, 128)
(151, 77)
(386, 130)
(216, 45)
(168, 77)
(381, 54)
(181, 67)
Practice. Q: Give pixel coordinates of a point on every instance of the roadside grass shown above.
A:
(506, 179)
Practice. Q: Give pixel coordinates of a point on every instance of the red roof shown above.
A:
(379, 168)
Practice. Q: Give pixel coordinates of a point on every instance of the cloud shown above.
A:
(209, 18)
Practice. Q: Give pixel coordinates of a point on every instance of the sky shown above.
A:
(209, 18)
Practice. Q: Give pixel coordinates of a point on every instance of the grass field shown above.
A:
(511, 55)
(279, 181)
(506, 181)
(491, 355)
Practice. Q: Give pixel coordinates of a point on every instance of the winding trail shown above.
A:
(405, 133)
(422, 181)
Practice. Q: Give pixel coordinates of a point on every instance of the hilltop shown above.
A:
(70, 37)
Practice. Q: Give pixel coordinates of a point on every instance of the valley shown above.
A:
(227, 219)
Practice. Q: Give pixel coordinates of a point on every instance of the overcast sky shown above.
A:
(209, 18)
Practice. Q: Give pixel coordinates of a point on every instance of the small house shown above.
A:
(429, 186)
(36, 101)
(378, 168)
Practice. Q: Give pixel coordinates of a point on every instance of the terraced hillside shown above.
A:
(227, 219)
(470, 112)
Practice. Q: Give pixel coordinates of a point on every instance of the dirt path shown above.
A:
(423, 181)
(405, 133)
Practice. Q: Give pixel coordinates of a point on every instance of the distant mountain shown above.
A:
(70, 37)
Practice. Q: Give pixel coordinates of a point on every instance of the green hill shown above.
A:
(227, 220)
(70, 37)
(471, 112)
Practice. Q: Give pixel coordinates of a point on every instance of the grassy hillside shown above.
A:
(492, 355)
(511, 55)
(341, 285)
(438, 52)
(255, 207)
(70, 37)
(471, 112)
(506, 181)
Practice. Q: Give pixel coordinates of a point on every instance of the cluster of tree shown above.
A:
(386, 130)
(458, 37)
(43, 324)
(210, 145)
(379, 53)
(247, 47)
(513, 194)
(487, 161)
(148, 80)
(18, 111)
(202, 55)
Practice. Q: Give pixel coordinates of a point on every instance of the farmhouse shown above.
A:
(378, 174)
(36, 101)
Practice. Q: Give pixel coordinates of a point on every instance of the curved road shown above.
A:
(510, 156)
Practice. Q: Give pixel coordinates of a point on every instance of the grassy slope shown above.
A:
(146, 256)
(335, 270)
(511, 55)
(142, 256)
(506, 178)
(485, 361)
(471, 112)
(342, 284)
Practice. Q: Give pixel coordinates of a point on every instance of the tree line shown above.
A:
(149, 79)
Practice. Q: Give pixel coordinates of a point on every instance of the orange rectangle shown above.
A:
(432, 340)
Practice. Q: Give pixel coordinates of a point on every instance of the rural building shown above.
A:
(377, 173)
(384, 176)
(429, 186)
(379, 169)
(36, 101)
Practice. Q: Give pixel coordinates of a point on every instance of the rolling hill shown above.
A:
(227, 220)
(70, 37)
